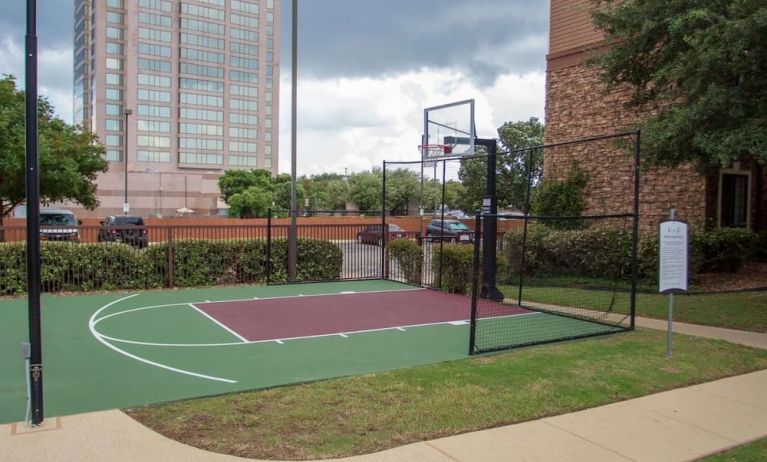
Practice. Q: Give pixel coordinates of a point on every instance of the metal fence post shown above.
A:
(170, 257)
(384, 229)
(475, 283)
(268, 262)
(635, 228)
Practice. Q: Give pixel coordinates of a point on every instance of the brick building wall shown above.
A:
(578, 105)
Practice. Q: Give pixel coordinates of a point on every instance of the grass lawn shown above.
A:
(363, 414)
(754, 452)
(745, 310)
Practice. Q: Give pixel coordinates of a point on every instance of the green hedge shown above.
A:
(108, 266)
(317, 260)
(595, 252)
(409, 257)
(606, 252)
(456, 267)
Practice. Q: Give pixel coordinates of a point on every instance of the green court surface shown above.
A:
(117, 350)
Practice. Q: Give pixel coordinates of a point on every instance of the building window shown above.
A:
(154, 111)
(153, 126)
(114, 33)
(243, 161)
(161, 5)
(734, 192)
(114, 63)
(113, 140)
(114, 125)
(204, 159)
(154, 19)
(114, 48)
(114, 155)
(245, 7)
(153, 156)
(154, 141)
(154, 80)
(156, 65)
(114, 94)
(113, 109)
(154, 34)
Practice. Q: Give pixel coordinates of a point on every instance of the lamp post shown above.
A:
(293, 229)
(126, 207)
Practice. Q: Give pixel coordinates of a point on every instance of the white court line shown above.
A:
(312, 295)
(343, 335)
(92, 327)
(309, 337)
(227, 328)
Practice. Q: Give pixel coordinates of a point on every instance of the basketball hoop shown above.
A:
(434, 151)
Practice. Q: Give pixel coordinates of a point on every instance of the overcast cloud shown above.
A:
(367, 68)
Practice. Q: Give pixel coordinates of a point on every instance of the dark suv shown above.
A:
(123, 228)
(449, 230)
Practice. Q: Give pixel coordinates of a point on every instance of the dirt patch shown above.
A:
(753, 276)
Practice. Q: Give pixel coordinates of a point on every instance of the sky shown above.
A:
(367, 69)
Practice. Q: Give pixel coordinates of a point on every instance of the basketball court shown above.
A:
(130, 349)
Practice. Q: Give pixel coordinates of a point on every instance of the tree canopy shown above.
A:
(512, 168)
(251, 193)
(70, 159)
(699, 68)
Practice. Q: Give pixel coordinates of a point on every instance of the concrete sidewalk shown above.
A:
(677, 425)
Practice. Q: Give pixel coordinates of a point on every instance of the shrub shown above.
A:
(725, 249)
(457, 260)
(13, 269)
(66, 266)
(317, 260)
(409, 257)
(108, 266)
(561, 198)
(598, 251)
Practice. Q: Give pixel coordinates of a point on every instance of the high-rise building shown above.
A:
(178, 92)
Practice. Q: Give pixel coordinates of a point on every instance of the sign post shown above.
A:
(674, 263)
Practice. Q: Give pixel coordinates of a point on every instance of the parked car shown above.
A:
(373, 235)
(124, 228)
(449, 230)
(58, 225)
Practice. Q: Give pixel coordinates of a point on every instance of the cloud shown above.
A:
(354, 124)
(482, 38)
(54, 72)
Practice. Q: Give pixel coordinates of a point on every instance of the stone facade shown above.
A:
(578, 105)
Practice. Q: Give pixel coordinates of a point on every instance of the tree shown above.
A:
(281, 192)
(699, 68)
(513, 168)
(237, 181)
(365, 189)
(253, 202)
(327, 191)
(70, 159)
(402, 190)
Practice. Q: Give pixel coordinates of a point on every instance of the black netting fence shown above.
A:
(566, 266)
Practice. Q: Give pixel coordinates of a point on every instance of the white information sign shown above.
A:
(673, 257)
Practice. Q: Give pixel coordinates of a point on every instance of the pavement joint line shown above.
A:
(728, 398)
(441, 451)
(679, 421)
(581, 437)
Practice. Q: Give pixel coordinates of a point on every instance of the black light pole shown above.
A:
(127, 113)
(292, 230)
(33, 218)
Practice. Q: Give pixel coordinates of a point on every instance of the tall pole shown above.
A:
(292, 231)
(126, 207)
(33, 218)
(488, 289)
